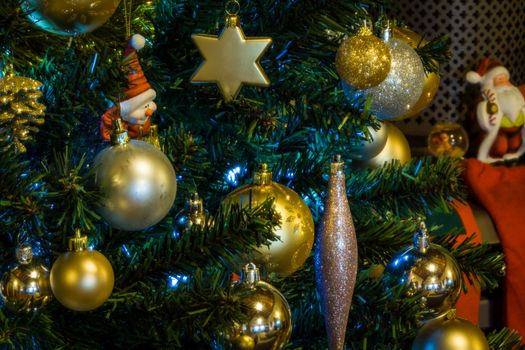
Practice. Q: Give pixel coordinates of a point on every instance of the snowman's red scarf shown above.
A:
(501, 191)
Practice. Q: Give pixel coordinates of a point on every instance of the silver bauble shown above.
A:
(138, 182)
(429, 270)
(403, 86)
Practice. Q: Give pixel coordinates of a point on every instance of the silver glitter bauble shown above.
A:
(403, 86)
(138, 182)
(429, 270)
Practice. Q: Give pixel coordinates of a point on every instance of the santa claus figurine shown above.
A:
(501, 113)
(137, 104)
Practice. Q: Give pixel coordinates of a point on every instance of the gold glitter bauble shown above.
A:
(448, 139)
(428, 270)
(296, 233)
(432, 80)
(138, 182)
(82, 279)
(269, 318)
(450, 333)
(26, 286)
(396, 148)
(363, 60)
(66, 17)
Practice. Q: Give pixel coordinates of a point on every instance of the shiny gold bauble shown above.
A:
(450, 333)
(430, 271)
(363, 60)
(69, 17)
(269, 318)
(431, 81)
(82, 279)
(296, 233)
(25, 287)
(448, 139)
(396, 148)
(138, 183)
(370, 149)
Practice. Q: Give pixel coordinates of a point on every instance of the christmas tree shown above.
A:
(172, 275)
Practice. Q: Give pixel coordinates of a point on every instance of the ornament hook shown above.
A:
(232, 7)
(251, 274)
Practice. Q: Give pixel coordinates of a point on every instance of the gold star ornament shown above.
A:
(231, 59)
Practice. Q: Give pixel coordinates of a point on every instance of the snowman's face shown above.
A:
(141, 115)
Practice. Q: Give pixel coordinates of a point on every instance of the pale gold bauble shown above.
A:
(448, 139)
(81, 279)
(396, 148)
(431, 81)
(450, 333)
(428, 270)
(69, 17)
(296, 233)
(268, 323)
(138, 183)
(26, 287)
(363, 60)
(370, 149)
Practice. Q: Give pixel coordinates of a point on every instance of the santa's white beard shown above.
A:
(510, 101)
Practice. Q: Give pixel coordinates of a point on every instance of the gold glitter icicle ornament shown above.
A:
(69, 17)
(336, 257)
(429, 270)
(138, 182)
(269, 319)
(363, 60)
(82, 279)
(26, 287)
(231, 59)
(450, 333)
(296, 234)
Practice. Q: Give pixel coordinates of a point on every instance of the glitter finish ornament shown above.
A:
(26, 287)
(448, 139)
(450, 333)
(296, 233)
(138, 182)
(363, 60)
(401, 89)
(82, 279)
(69, 17)
(268, 323)
(336, 257)
(429, 270)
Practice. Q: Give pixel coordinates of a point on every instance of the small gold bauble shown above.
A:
(450, 333)
(138, 182)
(296, 233)
(81, 279)
(363, 60)
(69, 17)
(396, 148)
(428, 270)
(448, 139)
(26, 286)
(432, 79)
(269, 319)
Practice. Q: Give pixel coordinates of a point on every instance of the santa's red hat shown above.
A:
(487, 70)
(138, 91)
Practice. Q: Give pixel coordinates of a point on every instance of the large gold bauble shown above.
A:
(138, 182)
(81, 279)
(269, 318)
(450, 334)
(396, 148)
(363, 60)
(26, 287)
(370, 149)
(428, 270)
(69, 17)
(296, 233)
(432, 80)
(448, 139)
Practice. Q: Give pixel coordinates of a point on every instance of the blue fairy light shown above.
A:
(175, 280)
(233, 175)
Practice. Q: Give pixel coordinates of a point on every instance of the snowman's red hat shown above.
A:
(138, 91)
(487, 70)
